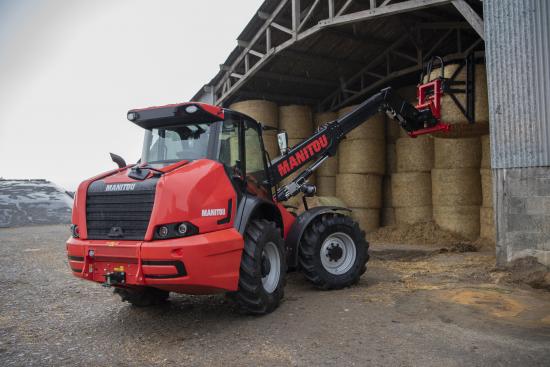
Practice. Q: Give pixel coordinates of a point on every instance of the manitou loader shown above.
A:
(202, 211)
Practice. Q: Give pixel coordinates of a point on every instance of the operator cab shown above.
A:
(191, 131)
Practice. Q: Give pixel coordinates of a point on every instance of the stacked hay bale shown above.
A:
(486, 214)
(326, 173)
(456, 185)
(267, 113)
(450, 112)
(361, 165)
(297, 121)
(411, 184)
(387, 215)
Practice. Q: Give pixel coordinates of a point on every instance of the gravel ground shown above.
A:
(444, 309)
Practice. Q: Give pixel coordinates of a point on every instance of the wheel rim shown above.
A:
(338, 253)
(271, 267)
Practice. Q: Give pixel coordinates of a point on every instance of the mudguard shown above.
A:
(253, 207)
(295, 234)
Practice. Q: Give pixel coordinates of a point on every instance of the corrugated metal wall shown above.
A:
(517, 39)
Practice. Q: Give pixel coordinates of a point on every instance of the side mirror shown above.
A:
(282, 139)
(121, 163)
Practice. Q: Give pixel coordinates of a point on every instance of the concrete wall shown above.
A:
(522, 201)
(517, 40)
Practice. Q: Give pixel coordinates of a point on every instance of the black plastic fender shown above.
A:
(252, 207)
(297, 230)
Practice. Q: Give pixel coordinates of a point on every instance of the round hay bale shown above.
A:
(463, 220)
(321, 201)
(387, 217)
(487, 228)
(391, 159)
(486, 188)
(386, 192)
(415, 155)
(450, 113)
(464, 130)
(452, 187)
(485, 151)
(393, 131)
(362, 156)
(326, 185)
(270, 143)
(329, 167)
(411, 189)
(457, 153)
(359, 191)
(413, 215)
(322, 117)
(296, 120)
(368, 219)
(265, 112)
(374, 128)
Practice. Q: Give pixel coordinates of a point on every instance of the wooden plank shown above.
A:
(392, 9)
(471, 16)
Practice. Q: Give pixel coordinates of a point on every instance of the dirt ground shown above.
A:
(412, 308)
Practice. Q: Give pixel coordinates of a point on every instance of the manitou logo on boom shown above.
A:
(302, 156)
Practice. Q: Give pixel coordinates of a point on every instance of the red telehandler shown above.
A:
(202, 211)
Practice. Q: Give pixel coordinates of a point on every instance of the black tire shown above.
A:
(310, 251)
(142, 297)
(252, 297)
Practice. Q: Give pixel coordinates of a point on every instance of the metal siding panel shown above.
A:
(518, 62)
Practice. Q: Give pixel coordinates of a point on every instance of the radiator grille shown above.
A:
(119, 214)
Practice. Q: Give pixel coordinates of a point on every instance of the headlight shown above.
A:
(174, 230)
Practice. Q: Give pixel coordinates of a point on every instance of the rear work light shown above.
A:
(174, 230)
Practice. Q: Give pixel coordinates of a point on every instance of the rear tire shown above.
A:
(142, 297)
(263, 269)
(333, 252)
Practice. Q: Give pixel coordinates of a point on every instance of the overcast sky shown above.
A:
(69, 71)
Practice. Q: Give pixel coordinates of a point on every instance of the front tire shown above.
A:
(263, 269)
(333, 252)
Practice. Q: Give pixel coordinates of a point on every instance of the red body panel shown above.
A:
(211, 261)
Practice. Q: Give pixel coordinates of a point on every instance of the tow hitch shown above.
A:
(114, 278)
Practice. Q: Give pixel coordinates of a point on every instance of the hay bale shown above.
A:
(322, 117)
(450, 113)
(316, 201)
(415, 155)
(329, 167)
(391, 159)
(362, 156)
(292, 142)
(296, 120)
(487, 228)
(393, 131)
(368, 219)
(485, 151)
(359, 191)
(413, 215)
(387, 217)
(411, 189)
(463, 220)
(464, 130)
(386, 192)
(374, 128)
(486, 188)
(265, 112)
(457, 153)
(455, 187)
(270, 143)
(326, 185)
